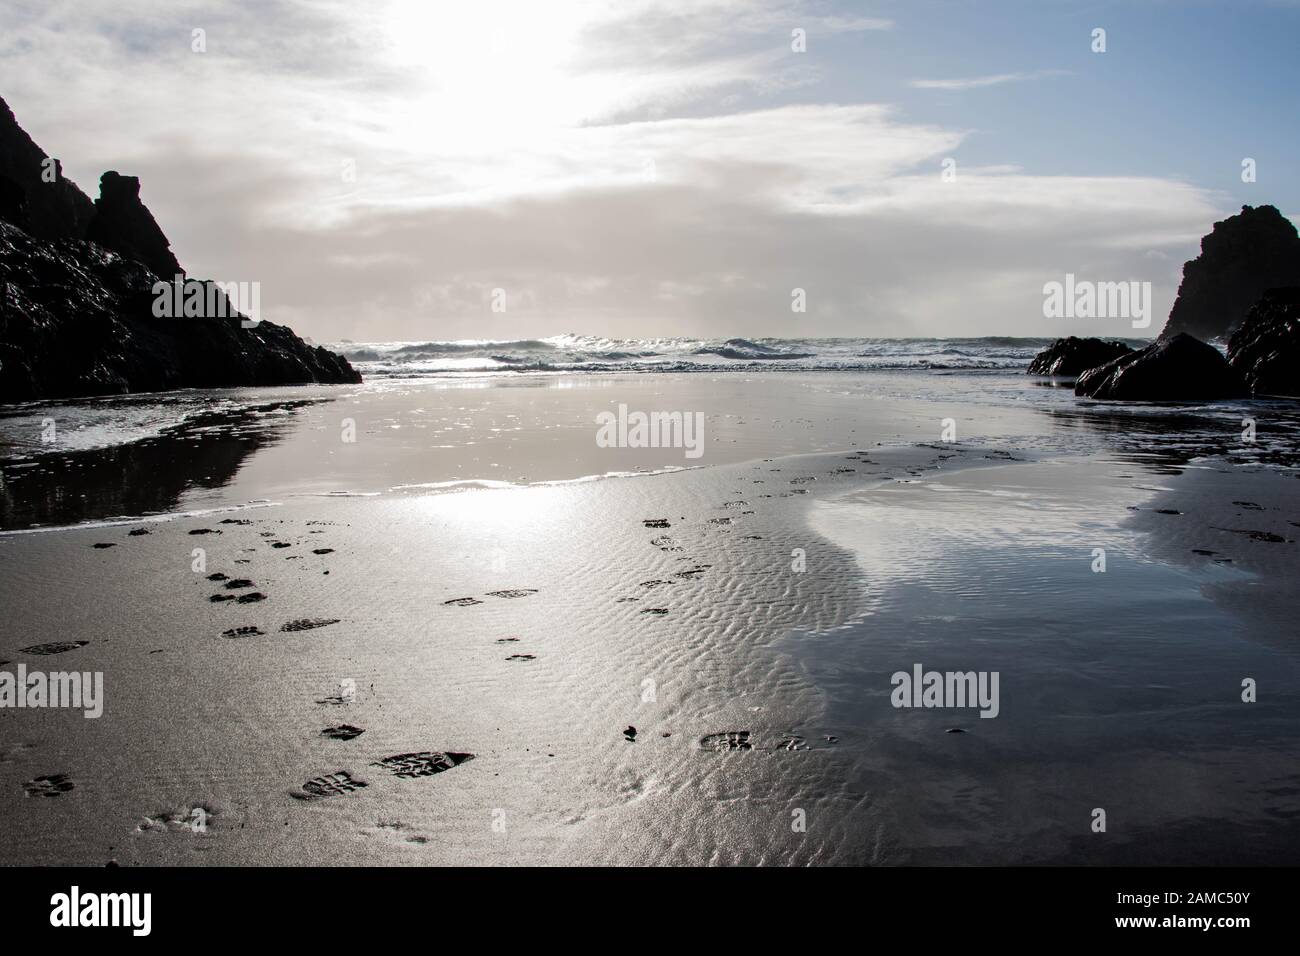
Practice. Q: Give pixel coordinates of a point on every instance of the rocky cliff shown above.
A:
(80, 285)
(123, 224)
(1243, 256)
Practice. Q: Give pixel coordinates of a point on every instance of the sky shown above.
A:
(503, 169)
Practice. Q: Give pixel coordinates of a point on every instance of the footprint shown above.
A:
(308, 623)
(322, 550)
(136, 532)
(727, 740)
(54, 647)
(654, 610)
(238, 583)
(522, 657)
(1268, 536)
(655, 583)
(281, 544)
(252, 598)
(204, 531)
(103, 544)
(665, 543)
(513, 592)
(342, 732)
(693, 573)
(193, 819)
(330, 785)
(463, 602)
(50, 785)
(217, 576)
(423, 764)
(656, 523)
(507, 640)
(221, 597)
(247, 631)
(342, 699)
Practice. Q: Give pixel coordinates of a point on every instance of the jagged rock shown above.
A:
(1244, 256)
(1180, 368)
(33, 193)
(1265, 349)
(13, 202)
(124, 225)
(77, 316)
(1073, 356)
(77, 320)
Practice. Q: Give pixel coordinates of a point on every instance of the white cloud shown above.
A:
(978, 82)
(625, 169)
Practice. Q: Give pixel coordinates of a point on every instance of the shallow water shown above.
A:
(184, 451)
(1118, 689)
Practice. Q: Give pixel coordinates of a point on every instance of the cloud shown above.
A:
(619, 169)
(978, 82)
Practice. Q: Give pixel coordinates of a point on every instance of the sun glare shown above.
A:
(494, 63)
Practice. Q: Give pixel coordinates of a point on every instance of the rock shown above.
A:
(1073, 356)
(34, 196)
(124, 225)
(77, 318)
(1180, 368)
(1265, 349)
(1244, 256)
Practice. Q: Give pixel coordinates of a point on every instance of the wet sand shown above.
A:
(535, 628)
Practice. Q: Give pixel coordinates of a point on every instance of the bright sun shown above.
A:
(491, 62)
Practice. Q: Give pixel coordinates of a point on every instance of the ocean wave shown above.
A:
(586, 353)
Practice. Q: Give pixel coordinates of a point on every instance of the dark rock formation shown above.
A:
(1244, 256)
(1179, 368)
(76, 320)
(47, 205)
(124, 225)
(1073, 356)
(1265, 349)
(77, 297)
(13, 201)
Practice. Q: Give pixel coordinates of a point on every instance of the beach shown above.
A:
(475, 636)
